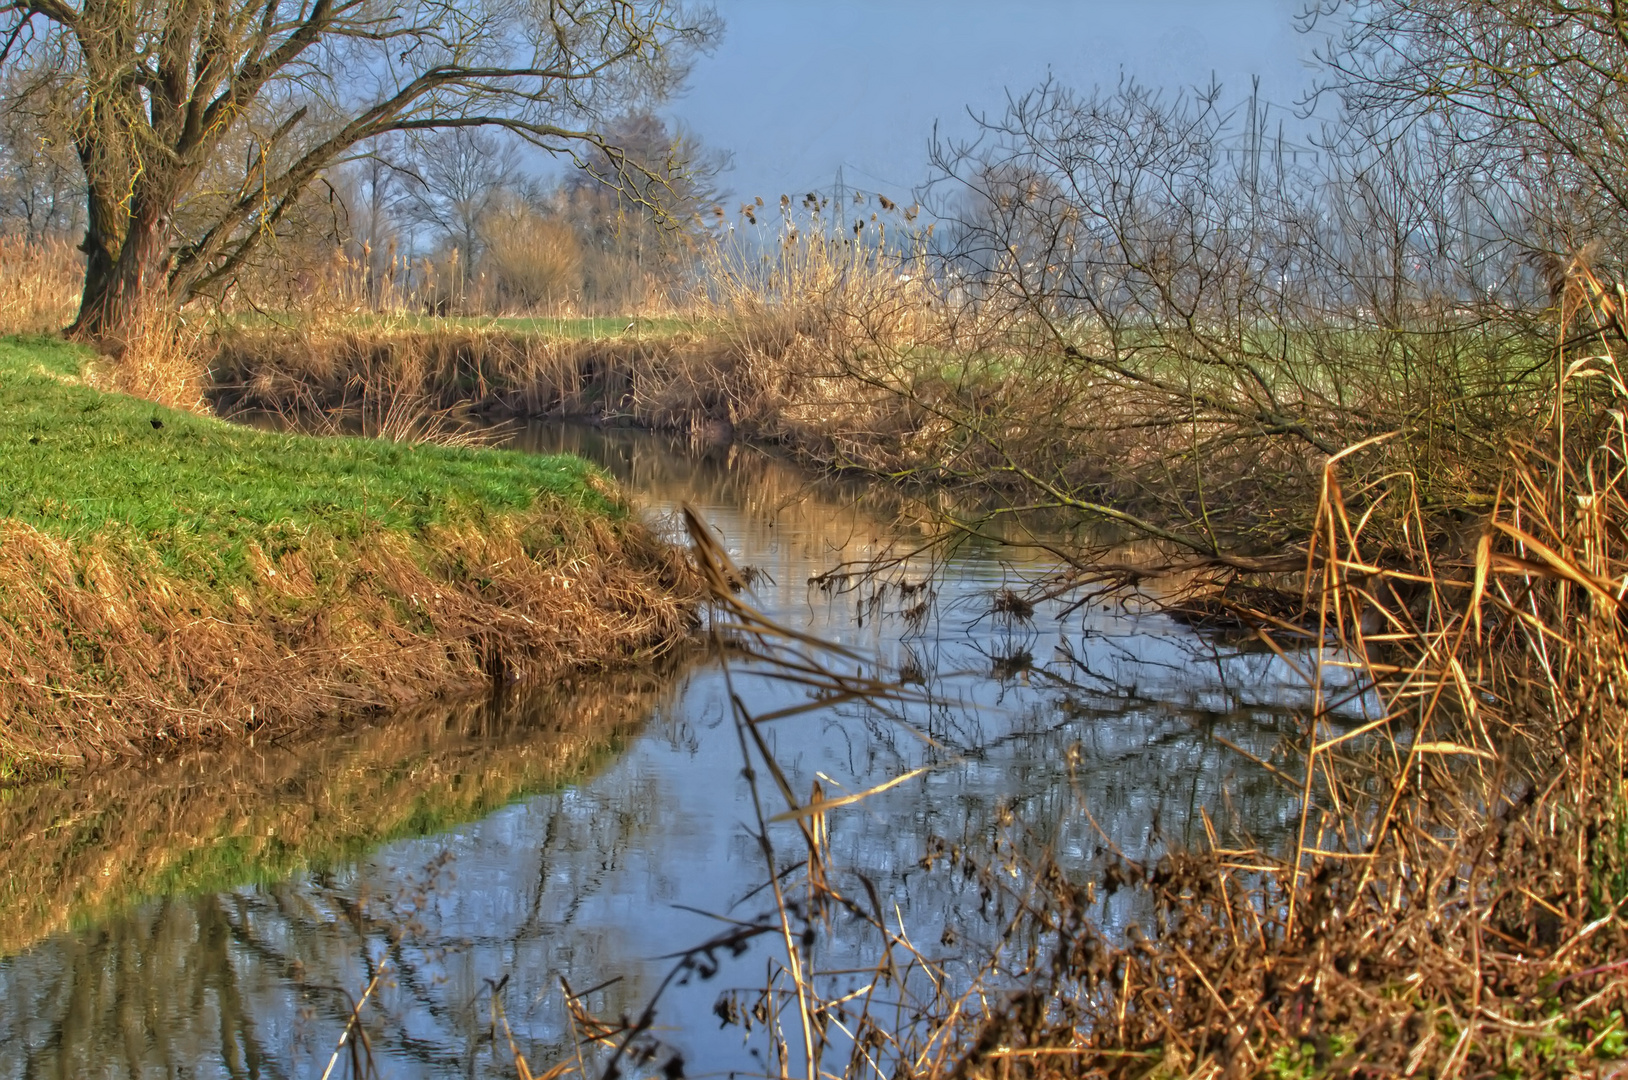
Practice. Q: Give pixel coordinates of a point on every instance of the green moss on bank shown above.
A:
(75, 461)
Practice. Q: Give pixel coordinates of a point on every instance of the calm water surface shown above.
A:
(215, 914)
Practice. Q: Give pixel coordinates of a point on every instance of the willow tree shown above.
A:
(199, 124)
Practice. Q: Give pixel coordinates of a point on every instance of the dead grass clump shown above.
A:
(40, 283)
(161, 357)
(1011, 605)
(335, 370)
(112, 653)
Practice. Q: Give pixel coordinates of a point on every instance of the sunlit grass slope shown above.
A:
(76, 461)
(167, 576)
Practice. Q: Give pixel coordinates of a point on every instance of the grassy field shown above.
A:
(75, 462)
(168, 576)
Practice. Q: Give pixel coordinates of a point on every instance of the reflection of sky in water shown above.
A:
(1106, 723)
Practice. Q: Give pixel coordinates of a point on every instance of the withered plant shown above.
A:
(1451, 901)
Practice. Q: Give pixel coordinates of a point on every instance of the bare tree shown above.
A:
(40, 190)
(1164, 311)
(459, 179)
(643, 230)
(199, 125)
(1538, 87)
(375, 193)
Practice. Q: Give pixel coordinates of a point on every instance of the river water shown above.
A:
(216, 914)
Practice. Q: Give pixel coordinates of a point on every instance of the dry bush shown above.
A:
(810, 324)
(40, 282)
(163, 357)
(533, 263)
(805, 277)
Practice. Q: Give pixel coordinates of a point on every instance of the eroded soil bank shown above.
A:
(167, 577)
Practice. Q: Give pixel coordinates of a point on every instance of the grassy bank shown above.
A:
(167, 576)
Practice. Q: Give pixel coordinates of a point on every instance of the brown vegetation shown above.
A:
(111, 652)
(40, 282)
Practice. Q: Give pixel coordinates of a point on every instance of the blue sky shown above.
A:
(797, 89)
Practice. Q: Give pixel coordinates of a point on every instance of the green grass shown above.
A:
(75, 461)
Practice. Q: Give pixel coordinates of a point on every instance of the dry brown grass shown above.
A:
(163, 357)
(753, 379)
(39, 285)
(111, 653)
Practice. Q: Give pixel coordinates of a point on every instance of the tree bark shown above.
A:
(126, 252)
(101, 246)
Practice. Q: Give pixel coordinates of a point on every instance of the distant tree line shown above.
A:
(465, 221)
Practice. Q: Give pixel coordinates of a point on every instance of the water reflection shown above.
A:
(586, 833)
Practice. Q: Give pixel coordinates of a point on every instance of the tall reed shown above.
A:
(40, 283)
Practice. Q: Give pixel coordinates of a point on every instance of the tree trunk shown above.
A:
(125, 261)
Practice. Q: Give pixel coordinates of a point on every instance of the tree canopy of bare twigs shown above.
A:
(199, 125)
(1537, 86)
(1173, 312)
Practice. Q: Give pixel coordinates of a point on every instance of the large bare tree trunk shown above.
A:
(156, 92)
(126, 252)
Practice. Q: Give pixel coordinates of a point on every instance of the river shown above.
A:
(216, 913)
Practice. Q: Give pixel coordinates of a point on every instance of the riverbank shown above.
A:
(755, 381)
(167, 577)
